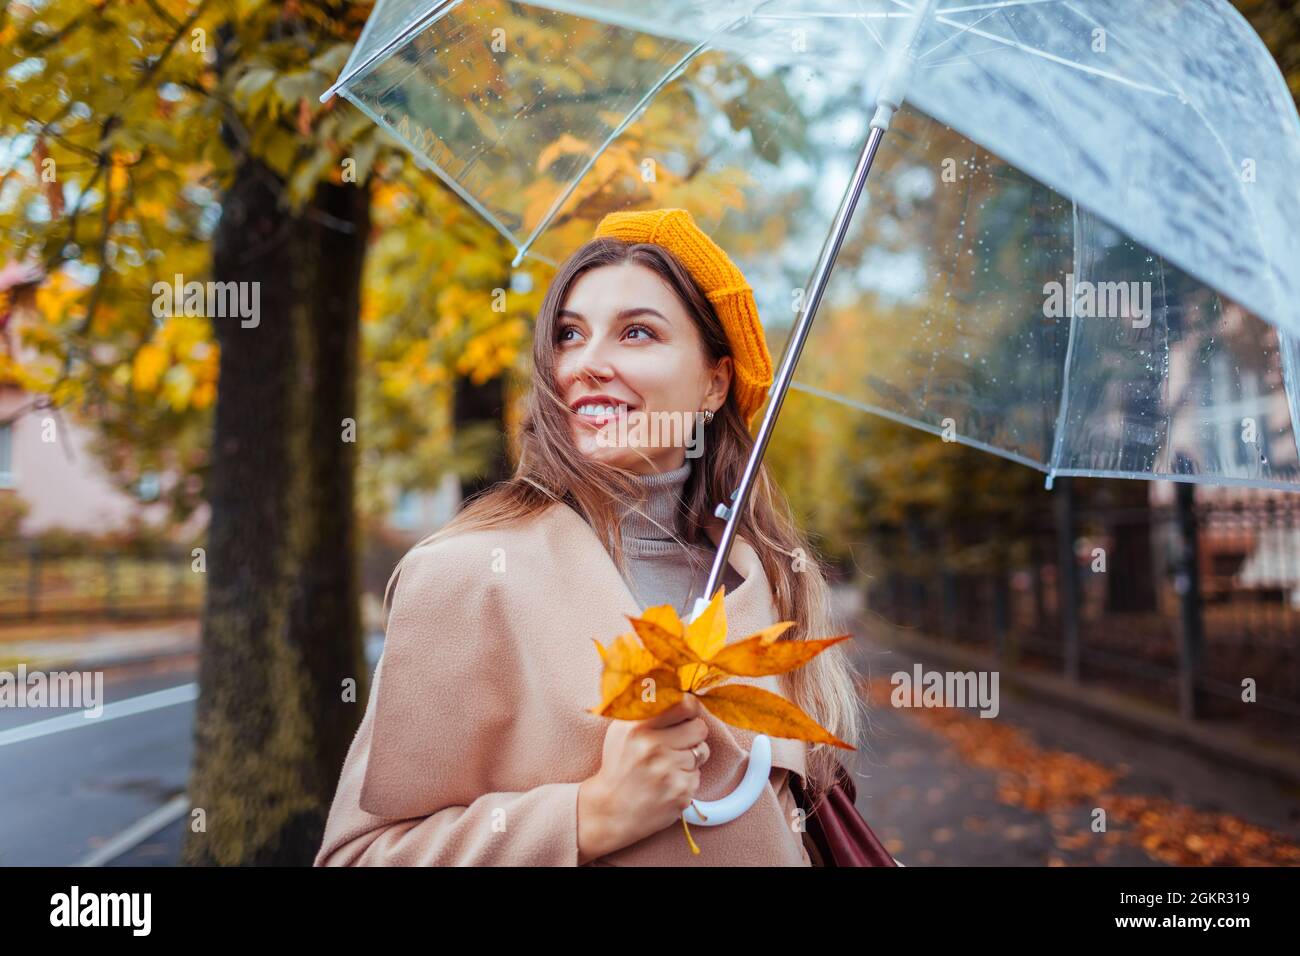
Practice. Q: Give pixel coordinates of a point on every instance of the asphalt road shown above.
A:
(75, 789)
(81, 782)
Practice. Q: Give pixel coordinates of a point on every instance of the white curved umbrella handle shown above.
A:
(713, 813)
(726, 809)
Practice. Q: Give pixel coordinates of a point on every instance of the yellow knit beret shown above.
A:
(722, 283)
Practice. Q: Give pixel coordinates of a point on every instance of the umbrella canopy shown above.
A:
(1162, 116)
(1073, 251)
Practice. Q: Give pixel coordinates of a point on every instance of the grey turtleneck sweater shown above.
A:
(660, 570)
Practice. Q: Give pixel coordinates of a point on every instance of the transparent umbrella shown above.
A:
(1073, 249)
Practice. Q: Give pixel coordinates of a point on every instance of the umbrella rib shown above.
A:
(1191, 479)
(1289, 353)
(1063, 404)
(866, 25)
(1058, 433)
(874, 35)
(1000, 4)
(614, 134)
(952, 36)
(917, 423)
(969, 8)
(1062, 61)
(627, 121)
(1164, 378)
(415, 26)
(963, 57)
(832, 15)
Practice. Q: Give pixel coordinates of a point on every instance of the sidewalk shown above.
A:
(1051, 781)
(1229, 746)
(101, 649)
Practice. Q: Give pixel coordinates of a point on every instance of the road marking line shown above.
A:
(138, 832)
(122, 708)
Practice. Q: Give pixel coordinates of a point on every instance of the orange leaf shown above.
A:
(625, 660)
(665, 615)
(631, 703)
(753, 708)
(695, 677)
(713, 677)
(707, 634)
(770, 634)
(755, 656)
(668, 647)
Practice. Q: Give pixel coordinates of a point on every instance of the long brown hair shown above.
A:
(551, 468)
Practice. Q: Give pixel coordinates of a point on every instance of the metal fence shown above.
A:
(1180, 604)
(43, 581)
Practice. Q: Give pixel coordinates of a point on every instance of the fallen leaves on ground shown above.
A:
(1052, 781)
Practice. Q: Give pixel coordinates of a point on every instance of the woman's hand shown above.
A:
(647, 777)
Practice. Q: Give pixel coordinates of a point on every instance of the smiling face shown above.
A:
(624, 339)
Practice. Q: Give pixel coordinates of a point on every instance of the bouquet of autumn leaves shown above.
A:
(672, 659)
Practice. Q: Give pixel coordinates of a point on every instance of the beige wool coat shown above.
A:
(477, 733)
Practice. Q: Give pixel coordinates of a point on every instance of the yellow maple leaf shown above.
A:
(625, 661)
(673, 659)
(698, 656)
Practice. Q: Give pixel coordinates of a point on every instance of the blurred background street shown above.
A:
(942, 787)
(214, 500)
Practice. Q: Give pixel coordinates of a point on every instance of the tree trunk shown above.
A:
(281, 621)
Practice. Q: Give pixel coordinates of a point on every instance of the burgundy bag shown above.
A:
(834, 832)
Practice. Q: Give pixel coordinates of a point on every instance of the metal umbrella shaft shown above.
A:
(785, 373)
(888, 99)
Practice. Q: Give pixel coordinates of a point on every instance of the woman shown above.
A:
(478, 745)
